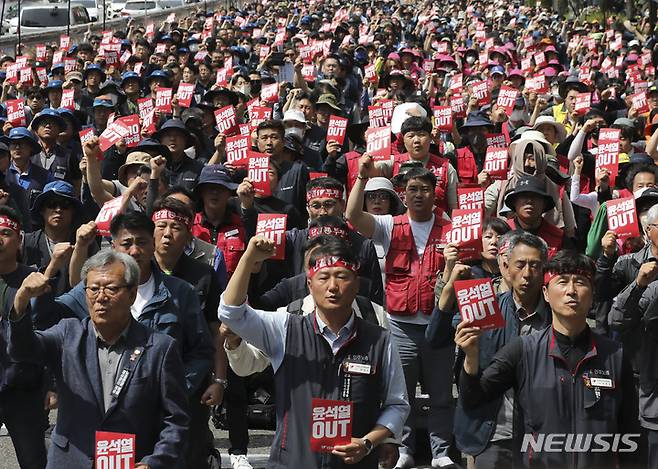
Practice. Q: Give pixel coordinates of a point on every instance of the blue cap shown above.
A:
(94, 68)
(306, 20)
(22, 133)
(48, 114)
(477, 119)
(66, 112)
(54, 85)
(174, 124)
(55, 189)
(158, 74)
(183, 50)
(128, 76)
(151, 145)
(215, 174)
(498, 69)
(166, 37)
(103, 102)
(56, 66)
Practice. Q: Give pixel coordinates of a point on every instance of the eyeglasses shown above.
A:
(377, 196)
(109, 290)
(327, 205)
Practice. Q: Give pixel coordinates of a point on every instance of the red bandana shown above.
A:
(316, 231)
(328, 262)
(11, 224)
(550, 275)
(165, 214)
(324, 193)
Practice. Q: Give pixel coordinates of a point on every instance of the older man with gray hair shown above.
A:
(113, 373)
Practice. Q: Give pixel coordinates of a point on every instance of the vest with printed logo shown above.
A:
(230, 238)
(467, 168)
(439, 167)
(410, 280)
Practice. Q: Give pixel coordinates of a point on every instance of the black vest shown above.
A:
(310, 370)
(555, 401)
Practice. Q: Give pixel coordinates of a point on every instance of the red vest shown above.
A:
(410, 280)
(231, 239)
(439, 167)
(467, 169)
(352, 161)
(549, 233)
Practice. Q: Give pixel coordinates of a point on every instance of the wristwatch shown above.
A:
(368, 445)
(222, 381)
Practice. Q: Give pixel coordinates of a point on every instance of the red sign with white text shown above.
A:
(331, 424)
(583, 103)
(226, 120)
(16, 112)
(506, 99)
(622, 217)
(378, 143)
(132, 124)
(640, 102)
(481, 92)
(337, 129)
(270, 93)
(67, 99)
(114, 450)
(376, 116)
(258, 172)
(112, 134)
(442, 118)
(477, 303)
(495, 163)
(466, 233)
(608, 152)
(273, 227)
(258, 114)
(237, 149)
(470, 198)
(163, 100)
(184, 94)
(107, 212)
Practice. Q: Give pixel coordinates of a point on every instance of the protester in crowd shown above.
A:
(80, 355)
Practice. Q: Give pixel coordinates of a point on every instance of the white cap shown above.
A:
(294, 115)
(404, 111)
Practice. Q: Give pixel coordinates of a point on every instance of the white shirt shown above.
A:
(144, 294)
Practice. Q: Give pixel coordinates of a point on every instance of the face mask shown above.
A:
(470, 60)
(246, 47)
(295, 132)
(245, 90)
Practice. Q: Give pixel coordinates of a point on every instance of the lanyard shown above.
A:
(129, 364)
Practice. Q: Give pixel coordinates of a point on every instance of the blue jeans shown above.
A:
(436, 367)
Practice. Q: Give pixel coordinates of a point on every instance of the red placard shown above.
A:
(376, 116)
(25, 76)
(184, 94)
(428, 66)
(258, 172)
(107, 212)
(270, 93)
(622, 217)
(526, 64)
(317, 174)
(442, 118)
(86, 134)
(132, 124)
(227, 120)
(495, 163)
(145, 105)
(221, 79)
(258, 114)
(273, 226)
(337, 129)
(540, 59)
(308, 72)
(331, 424)
(57, 56)
(163, 100)
(583, 103)
(112, 134)
(506, 99)
(244, 129)
(378, 143)
(160, 48)
(16, 112)
(481, 92)
(42, 74)
(466, 232)
(470, 198)
(237, 150)
(495, 140)
(41, 53)
(387, 109)
(537, 84)
(607, 155)
(67, 99)
(477, 303)
(457, 83)
(64, 42)
(458, 106)
(114, 450)
(111, 57)
(640, 102)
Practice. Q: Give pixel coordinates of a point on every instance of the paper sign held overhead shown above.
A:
(337, 129)
(495, 163)
(378, 143)
(258, 172)
(477, 303)
(273, 227)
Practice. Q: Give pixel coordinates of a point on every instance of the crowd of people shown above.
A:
(277, 206)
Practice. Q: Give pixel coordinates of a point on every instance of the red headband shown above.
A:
(166, 214)
(324, 193)
(327, 262)
(11, 224)
(550, 275)
(327, 230)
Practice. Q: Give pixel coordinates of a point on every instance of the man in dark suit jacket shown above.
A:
(91, 359)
